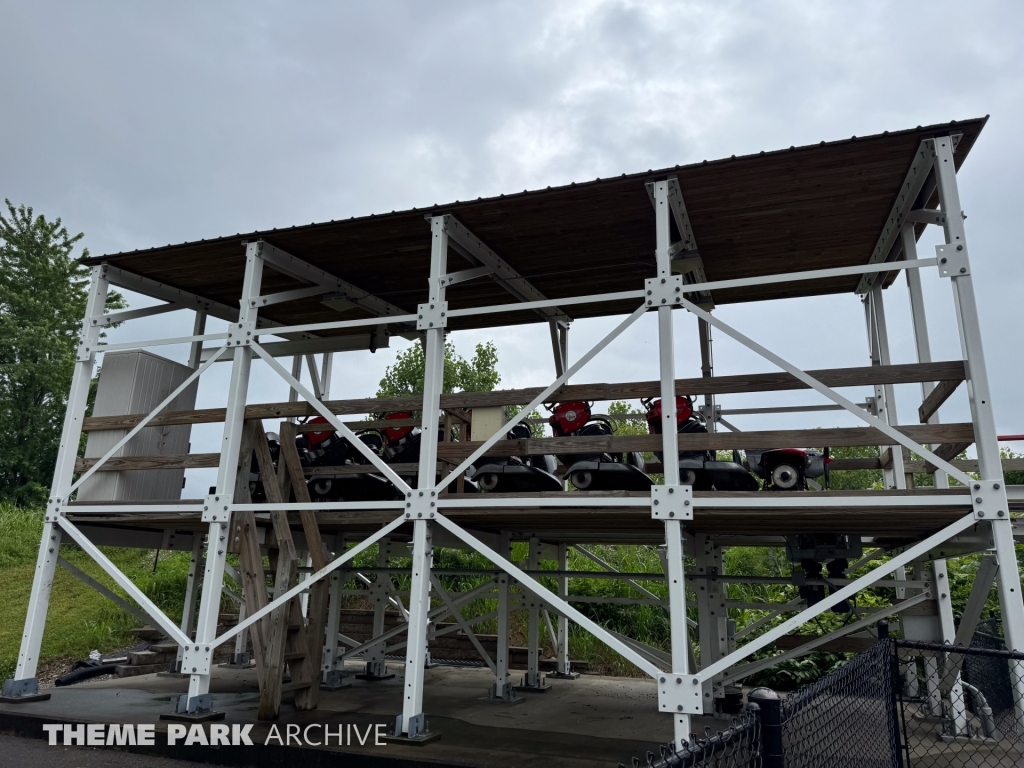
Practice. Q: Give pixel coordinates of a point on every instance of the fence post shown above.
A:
(770, 706)
(896, 745)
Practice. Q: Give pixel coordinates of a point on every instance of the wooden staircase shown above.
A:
(283, 641)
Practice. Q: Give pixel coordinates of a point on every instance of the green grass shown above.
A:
(79, 619)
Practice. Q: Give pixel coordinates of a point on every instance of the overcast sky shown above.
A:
(142, 124)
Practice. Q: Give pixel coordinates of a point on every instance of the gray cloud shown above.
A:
(142, 124)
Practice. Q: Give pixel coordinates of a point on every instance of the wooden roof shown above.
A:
(802, 208)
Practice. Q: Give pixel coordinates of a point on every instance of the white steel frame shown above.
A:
(683, 690)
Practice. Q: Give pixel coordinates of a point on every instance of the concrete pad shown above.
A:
(585, 722)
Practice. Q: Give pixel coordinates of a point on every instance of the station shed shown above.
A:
(841, 217)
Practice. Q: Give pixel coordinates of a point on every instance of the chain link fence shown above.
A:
(736, 747)
(846, 719)
(957, 704)
(899, 704)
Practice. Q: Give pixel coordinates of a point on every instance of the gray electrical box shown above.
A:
(136, 382)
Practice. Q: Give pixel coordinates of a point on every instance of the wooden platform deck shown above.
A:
(629, 521)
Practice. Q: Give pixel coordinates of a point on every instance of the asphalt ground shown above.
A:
(15, 750)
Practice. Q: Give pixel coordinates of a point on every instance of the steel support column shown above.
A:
(503, 691)
(188, 613)
(707, 370)
(563, 668)
(990, 468)
(198, 702)
(885, 397)
(24, 683)
(412, 723)
(329, 665)
(376, 667)
(670, 447)
(532, 680)
(919, 320)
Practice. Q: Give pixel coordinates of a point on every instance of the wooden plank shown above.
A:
(840, 436)
(305, 675)
(318, 595)
(277, 637)
(838, 465)
(948, 451)
(272, 489)
(278, 641)
(170, 461)
(942, 392)
(967, 465)
(246, 541)
(952, 449)
(952, 436)
(293, 471)
(719, 385)
(254, 585)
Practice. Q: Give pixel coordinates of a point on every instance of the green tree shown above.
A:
(405, 377)
(42, 299)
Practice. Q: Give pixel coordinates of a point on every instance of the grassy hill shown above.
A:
(79, 619)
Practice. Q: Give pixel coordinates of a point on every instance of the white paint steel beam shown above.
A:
(327, 345)
(24, 682)
(294, 267)
(919, 322)
(198, 698)
(148, 418)
(502, 690)
(611, 569)
(474, 250)
(435, 613)
(147, 605)
(111, 318)
(412, 723)
(880, 350)
(533, 679)
(115, 598)
(683, 254)
(540, 591)
(675, 580)
(562, 664)
(837, 596)
(463, 624)
(543, 396)
(195, 353)
(792, 605)
(188, 612)
(337, 423)
(376, 665)
(828, 392)
(599, 298)
(910, 191)
(982, 413)
(745, 670)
